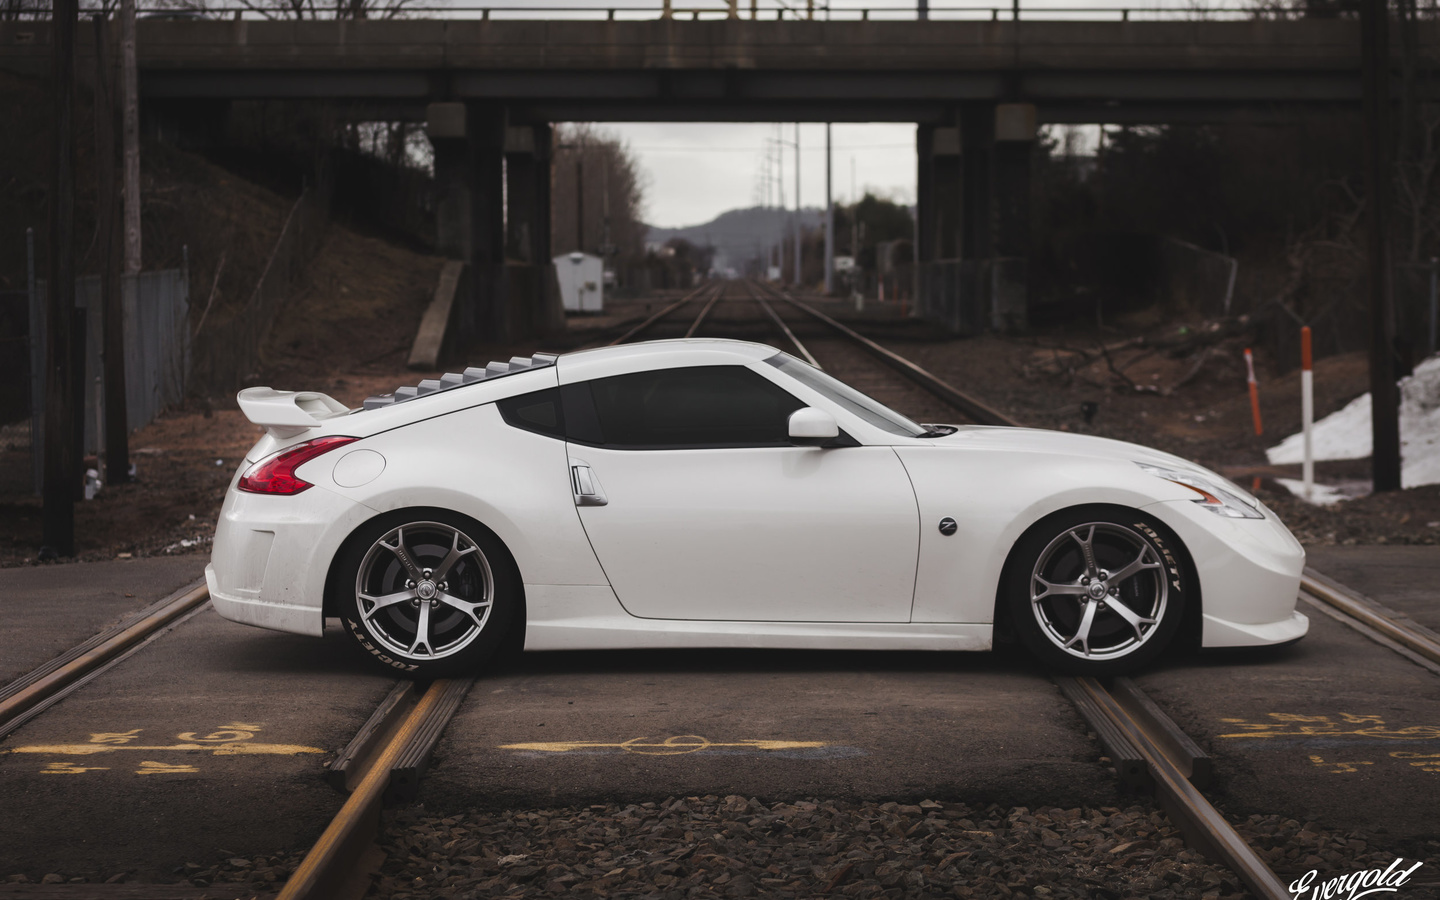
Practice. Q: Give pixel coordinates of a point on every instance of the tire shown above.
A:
(427, 592)
(1097, 590)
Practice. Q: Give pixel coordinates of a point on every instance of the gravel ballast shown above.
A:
(737, 847)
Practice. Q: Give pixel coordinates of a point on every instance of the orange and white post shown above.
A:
(1307, 410)
(1254, 389)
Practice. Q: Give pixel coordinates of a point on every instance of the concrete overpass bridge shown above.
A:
(489, 89)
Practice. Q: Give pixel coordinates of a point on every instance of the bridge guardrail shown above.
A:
(763, 10)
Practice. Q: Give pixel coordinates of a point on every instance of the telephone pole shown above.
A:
(797, 204)
(829, 220)
(116, 439)
(62, 469)
(1384, 395)
(131, 137)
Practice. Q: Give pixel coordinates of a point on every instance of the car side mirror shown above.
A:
(811, 427)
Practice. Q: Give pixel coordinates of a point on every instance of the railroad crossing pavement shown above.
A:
(49, 609)
(206, 745)
(1406, 579)
(1336, 728)
(579, 728)
(210, 742)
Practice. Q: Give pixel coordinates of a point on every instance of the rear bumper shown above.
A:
(272, 555)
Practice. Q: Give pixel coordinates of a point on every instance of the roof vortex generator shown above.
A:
(456, 379)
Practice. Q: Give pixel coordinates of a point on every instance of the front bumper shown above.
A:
(1249, 575)
(272, 555)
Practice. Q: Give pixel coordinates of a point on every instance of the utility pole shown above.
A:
(829, 220)
(797, 204)
(61, 395)
(131, 137)
(1384, 395)
(579, 199)
(116, 438)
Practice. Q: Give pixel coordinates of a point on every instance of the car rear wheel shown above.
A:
(427, 592)
(1096, 592)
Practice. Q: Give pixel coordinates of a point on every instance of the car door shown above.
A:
(698, 507)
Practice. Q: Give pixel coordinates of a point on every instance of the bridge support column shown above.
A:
(977, 160)
(938, 214)
(1014, 145)
(534, 297)
(469, 144)
(938, 193)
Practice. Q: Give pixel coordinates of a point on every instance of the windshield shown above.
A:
(872, 411)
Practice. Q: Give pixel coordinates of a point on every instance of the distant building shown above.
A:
(582, 282)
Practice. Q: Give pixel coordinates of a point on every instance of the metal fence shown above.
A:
(971, 295)
(157, 353)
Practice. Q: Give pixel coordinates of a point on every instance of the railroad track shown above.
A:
(389, 754)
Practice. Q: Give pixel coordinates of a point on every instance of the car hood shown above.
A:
(1004, 439)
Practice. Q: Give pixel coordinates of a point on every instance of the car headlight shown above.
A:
(1221, 500)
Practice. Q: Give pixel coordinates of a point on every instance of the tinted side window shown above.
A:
(538, 412)
(704, 406)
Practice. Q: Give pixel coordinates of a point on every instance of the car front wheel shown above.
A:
(426, 592)
(1097, 592)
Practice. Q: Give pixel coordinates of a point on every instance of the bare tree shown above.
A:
(596, 177)
(293, 9)
(24, 9)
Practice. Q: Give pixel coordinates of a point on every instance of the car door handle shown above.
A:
(585, 486)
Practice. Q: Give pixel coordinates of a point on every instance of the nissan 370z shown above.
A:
(709, 493)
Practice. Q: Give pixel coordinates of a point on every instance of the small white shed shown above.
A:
(582, 282)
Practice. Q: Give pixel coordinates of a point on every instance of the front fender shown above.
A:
(994, 497)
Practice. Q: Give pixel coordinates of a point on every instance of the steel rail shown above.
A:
(34, 689)
(976, 410)
(1353, 606)
(1202, 824)
(705, 311)
(625, 338)
(785, 329)
(330, 869)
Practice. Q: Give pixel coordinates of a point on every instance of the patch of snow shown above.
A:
(1320, 494)
(1346, 434)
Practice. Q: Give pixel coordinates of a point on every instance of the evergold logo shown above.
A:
(1353, 886)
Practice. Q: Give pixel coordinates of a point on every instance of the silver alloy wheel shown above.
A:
(424, 590)
(1098, 591)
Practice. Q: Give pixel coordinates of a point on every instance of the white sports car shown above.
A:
(709, 493)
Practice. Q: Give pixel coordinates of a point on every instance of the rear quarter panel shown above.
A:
(514, 482)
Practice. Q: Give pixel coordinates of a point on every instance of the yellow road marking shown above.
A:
(214, 749)
(671, 746)
(1290, 725)
(66, 768)
(159, 768)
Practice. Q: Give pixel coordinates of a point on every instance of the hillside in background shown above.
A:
(740, 234)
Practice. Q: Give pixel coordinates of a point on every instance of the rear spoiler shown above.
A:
(285, 414)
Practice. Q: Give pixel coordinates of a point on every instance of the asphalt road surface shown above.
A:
(577, 728)
(1334, 729)
(49, 609)
(209, 743)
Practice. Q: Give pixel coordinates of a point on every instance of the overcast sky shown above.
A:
(694, 171)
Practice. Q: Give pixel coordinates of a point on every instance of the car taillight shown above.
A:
(276, 474)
